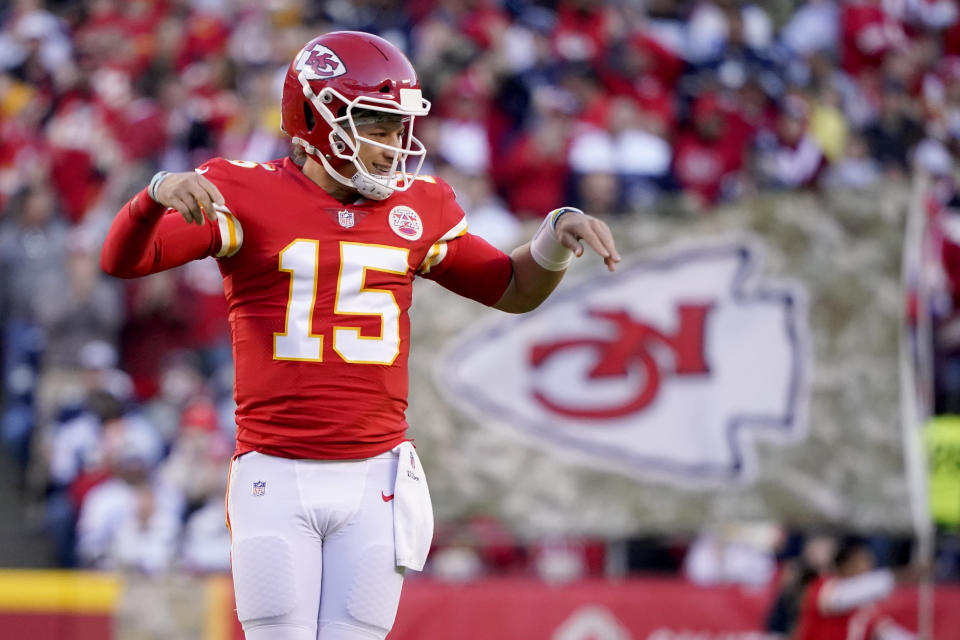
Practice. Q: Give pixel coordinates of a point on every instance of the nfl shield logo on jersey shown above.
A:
(346, 218)
(259, 487)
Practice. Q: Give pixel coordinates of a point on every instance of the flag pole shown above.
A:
(916, 389)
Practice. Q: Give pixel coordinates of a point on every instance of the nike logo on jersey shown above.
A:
(386, 498)
(202, 171)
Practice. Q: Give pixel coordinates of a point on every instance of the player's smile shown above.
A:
(379, 161)
(382, 169)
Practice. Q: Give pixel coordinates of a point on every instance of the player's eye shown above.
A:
(387, 134)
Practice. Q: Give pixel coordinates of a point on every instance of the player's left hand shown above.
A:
(192, 195)
(571, 229)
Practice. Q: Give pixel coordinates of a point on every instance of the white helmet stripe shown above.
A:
(411, 99)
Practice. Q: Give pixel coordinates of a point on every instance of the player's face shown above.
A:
(377, 160)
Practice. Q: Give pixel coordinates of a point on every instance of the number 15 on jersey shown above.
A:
(301, 259)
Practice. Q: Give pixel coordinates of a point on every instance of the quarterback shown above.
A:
(327, 502)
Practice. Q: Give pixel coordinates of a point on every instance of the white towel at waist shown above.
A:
(412, 510)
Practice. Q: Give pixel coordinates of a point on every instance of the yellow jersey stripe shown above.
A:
(231, 233)
(427, 263)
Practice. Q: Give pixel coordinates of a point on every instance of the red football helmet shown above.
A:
(339, 76)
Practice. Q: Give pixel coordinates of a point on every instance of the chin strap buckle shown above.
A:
(370, 187)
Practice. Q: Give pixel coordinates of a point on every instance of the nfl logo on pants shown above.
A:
(259, 487)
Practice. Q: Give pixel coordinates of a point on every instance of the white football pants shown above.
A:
(312, 547)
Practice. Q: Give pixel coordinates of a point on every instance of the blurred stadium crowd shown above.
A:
(117, 395)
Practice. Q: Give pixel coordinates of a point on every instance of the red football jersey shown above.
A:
(317, 295)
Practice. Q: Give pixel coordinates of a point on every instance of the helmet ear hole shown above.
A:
(309, 117)
(385, 88)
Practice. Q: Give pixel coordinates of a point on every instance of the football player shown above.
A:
(327, 503)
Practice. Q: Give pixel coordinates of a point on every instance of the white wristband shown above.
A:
(545, 249)
(158, 177)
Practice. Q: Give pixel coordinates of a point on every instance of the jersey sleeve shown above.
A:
(453, 224)
(473, 268)
(146, 237)
(464, 263)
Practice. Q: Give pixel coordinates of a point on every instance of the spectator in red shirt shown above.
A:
(582, 30)
(645, 71)
(158, 309)
(533, 173)
(867, 34)
(951, 39)
(465, 129)
(708, 157)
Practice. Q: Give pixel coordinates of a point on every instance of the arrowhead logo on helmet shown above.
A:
(319, 63)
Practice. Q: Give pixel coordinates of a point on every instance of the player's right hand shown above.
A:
(192, 195)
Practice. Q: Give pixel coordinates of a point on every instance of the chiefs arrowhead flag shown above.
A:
(742, 365)
(668, 369)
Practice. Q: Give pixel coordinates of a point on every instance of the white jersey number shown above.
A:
(298, 342)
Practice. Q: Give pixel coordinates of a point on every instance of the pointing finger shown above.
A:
(606, 237)
(590, 237)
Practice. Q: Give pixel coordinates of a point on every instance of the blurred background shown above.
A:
(668, 452)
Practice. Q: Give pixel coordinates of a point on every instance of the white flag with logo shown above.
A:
(670, 368)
